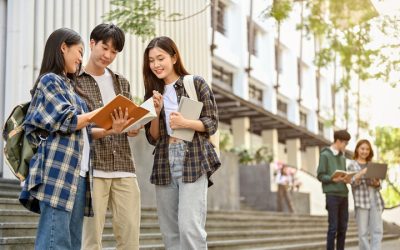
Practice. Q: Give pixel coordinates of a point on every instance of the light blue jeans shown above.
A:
(369, 223)
(182, 207)
(59, 229)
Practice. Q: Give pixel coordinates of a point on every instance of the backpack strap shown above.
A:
(188, 84)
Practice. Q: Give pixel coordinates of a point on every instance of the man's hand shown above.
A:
(338, 179)
(347, 179)
(120, 120)
(134, 132)
(342, 178)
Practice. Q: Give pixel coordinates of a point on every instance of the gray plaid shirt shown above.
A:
(361, 191)
(111, 153)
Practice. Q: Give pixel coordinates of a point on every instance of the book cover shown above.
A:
(190, 109)
(140, 114)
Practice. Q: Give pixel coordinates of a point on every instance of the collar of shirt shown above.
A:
(334, 151)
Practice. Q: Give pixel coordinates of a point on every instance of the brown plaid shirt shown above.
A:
(201, 157)
(111, 153)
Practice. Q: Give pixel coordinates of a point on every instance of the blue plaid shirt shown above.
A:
(54, 170)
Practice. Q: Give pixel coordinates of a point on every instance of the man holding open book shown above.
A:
(332, 159)
(115, 181)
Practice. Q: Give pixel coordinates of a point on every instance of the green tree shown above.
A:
(341, 38)
(135, 16)
(387, 139)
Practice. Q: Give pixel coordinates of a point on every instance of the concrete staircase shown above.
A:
(226, 229)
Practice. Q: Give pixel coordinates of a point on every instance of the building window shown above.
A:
(252, 38)
(220, 25)
(282, 108)
(303, 119)
(222, 76)
(320, 127)
(255, 94)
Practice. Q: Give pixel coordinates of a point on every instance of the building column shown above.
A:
(293, 152)
(270, 139)
(311, 160)
(240, 131)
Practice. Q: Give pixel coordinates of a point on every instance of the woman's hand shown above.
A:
(360, 174)
(177, 121)
(375, 182)
(120, 120)
(158, 101)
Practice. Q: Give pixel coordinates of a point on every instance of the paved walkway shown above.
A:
(386, 245)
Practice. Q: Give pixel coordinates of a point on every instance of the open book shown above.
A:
(343, 173)
(189, 109)
(142, 114)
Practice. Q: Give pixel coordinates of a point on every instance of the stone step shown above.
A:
(11, 207)
(29, 229)
(9, 194)
(10, 181)
(10, 203)
(150, 217)
(315, 242)
(321, 245)
(10, 187)
(214, 240)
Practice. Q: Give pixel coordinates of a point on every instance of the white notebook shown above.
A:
(190, 109)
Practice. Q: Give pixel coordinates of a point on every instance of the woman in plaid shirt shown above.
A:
(367, 199)
(59, 182)
(181, 169)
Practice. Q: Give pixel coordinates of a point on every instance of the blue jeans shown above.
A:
(369, 224)
(338, 216)
(182, 207)
(59, 229)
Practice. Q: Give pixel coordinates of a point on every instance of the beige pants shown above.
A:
(122, 195)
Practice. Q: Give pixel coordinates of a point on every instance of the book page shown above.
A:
(149, 106)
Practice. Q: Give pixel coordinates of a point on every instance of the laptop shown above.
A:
(376, 170)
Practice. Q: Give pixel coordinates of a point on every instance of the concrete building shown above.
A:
(292, 116)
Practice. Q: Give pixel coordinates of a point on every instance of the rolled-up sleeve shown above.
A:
(209, 113)
(50, 108)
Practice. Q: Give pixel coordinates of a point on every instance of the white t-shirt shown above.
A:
(170, 103)
(85, 154)
(106, 86)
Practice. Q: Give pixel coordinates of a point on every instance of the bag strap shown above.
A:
(188, 84)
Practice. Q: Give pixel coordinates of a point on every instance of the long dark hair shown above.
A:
(151, 81)
(371, 152)
(53, 60)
